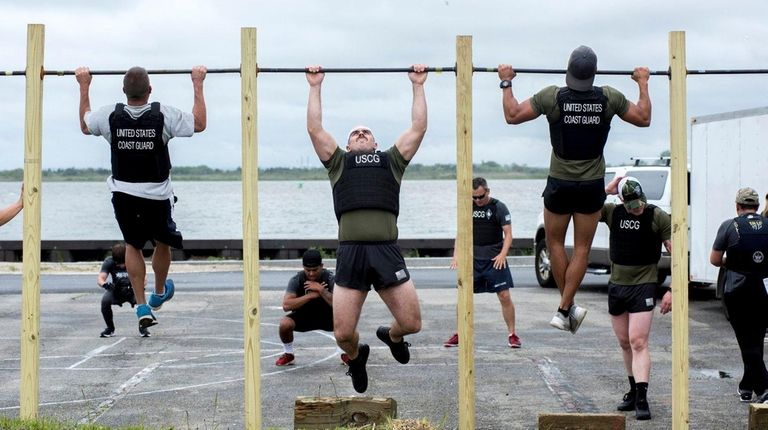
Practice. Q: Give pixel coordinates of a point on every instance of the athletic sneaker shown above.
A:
(762, 398)
(575, 317)
(345, 358)
(560, 322)
(357, 368)
(513, 341)
(284, 360)
(108, 332)
(628, 402)
(146, 318)
(156, 301)
(453, 341)
(143, 332)
(642, 411)
(399, 350)
(744, 395)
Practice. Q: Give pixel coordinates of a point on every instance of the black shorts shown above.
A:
(360, 265)
(120, 294)
(143, 220)
(631, 298)
(308, 321)
(489, 279)
(568, 197)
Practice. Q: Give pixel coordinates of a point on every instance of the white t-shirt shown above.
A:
(176, 124)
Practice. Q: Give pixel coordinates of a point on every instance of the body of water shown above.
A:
(287, 209)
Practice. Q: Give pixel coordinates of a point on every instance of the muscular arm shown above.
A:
(291, 302)
(717, 258)
(640, 114)
(514, 112)
(322, 141)
(500, 261)
(102, 279)
(198, 106)
(408, 143)
(10, 211)
(83, 76)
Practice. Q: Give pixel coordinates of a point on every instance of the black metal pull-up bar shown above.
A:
(390, 70)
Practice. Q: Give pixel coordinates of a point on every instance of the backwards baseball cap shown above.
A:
(631, 193)
(747, 196)
(312, 258)
(582, 67)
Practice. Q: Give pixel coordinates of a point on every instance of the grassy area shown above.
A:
(49, 424)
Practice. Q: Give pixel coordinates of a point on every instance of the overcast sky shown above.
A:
(527, 34)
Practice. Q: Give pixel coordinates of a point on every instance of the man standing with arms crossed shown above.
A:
(366, 191)
(142, 195)
(579, 117)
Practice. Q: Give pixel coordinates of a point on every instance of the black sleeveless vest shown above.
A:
(632, 240)
(582, 129)
(485, 228)
(138, 151)
(366, 183)
(749, 256)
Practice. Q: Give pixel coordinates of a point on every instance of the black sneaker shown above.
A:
(761, 398)
(628, 402)
(642, 412)
(357, 368)
(399, 350)
(144, 332)
(744, 395)
(108, 332)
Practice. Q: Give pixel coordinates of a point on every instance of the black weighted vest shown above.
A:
(485, 228)
(366, 183)
(138, 151)
(582, 129)
(749, 256)
(632, 240)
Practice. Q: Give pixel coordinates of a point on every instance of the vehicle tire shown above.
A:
(543, 266)
(719, 291)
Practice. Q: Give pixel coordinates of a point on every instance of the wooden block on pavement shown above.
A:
(330, 412)
(758, 416)
(582, 421)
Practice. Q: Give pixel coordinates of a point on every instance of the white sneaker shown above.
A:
(575, 316)
(560, 322)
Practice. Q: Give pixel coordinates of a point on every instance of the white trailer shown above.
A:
(728, 151)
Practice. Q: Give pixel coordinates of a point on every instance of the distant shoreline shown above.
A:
(490, 170)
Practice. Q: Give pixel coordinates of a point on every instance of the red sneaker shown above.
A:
(513, 341)
(453, 341)
(284, 360)
(345, 358)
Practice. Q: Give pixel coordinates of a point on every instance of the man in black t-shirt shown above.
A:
(118, 291)
(309, 298)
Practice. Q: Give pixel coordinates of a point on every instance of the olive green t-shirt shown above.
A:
(644, 274)
(545, 103)
(367, 225)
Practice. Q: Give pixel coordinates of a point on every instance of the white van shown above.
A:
(655, 176)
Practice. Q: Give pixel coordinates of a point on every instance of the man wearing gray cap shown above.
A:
(579, 117)
(309, 299)
(741, 246)
(638, 230)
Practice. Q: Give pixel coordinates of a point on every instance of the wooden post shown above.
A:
(678, 142)
(250, 172)
(463, 250)
(30, 292)
(758, 416)
(333, 412)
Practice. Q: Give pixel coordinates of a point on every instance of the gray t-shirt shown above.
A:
(176, 124)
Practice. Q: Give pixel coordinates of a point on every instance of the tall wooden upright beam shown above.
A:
(30, 293)
(250, 172)
(463, 250)
(678, 142)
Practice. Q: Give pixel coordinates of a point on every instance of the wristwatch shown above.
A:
(506, 83)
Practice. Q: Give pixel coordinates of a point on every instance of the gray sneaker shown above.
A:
(575, 317)
(560, 322)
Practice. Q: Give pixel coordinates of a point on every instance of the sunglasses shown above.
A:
(480, 197)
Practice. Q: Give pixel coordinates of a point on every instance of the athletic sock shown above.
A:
(642, 391)
(564, 312)
(632, 385)
(288, 348)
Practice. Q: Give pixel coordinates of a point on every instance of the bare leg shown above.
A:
(347, 304)
(507, 309)
(584, 226)
(639, 329)
(403, 303)
(621, 330)
(161, 262)
(555, 227)
(137, 271)
(287, 325)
